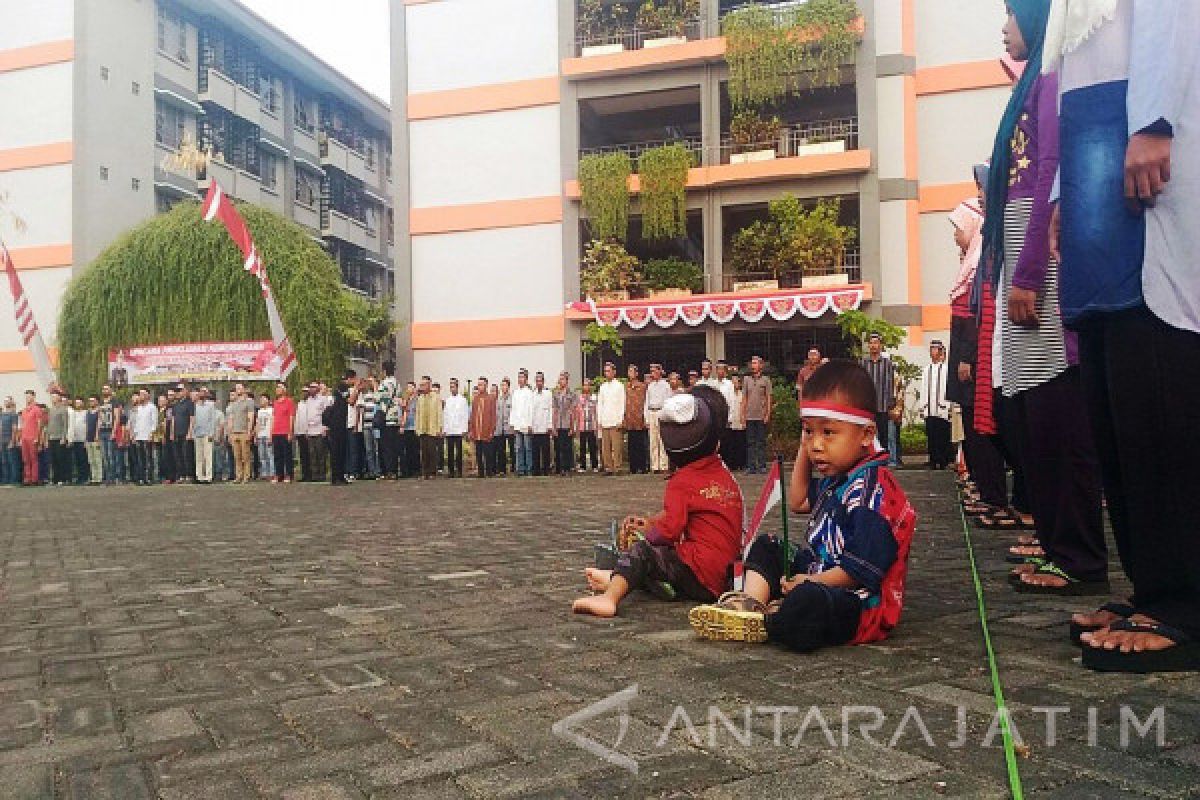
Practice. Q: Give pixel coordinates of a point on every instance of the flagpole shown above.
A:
(783, 503)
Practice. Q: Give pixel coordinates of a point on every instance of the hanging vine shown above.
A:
(176, 279)
(663, 174)
(604, 193)
(774, 53)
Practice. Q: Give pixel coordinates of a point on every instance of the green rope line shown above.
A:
(1010, 751)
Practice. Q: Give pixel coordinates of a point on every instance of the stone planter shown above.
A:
(602, 49)
(664, 41)
(755, 286)
(824, 281)
(821, 148)
(667, 294)
(616, 296)
(752, 157)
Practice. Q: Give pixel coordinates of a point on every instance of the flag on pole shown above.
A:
(31, 336)
(772, 493)
(217, 205)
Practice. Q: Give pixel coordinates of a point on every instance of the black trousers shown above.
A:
(588, 447)
(1143, 401)
(1009, 442)
(564, 451)
(984, 463)
(412, 454)
(60, 463)
(1063, 475)
(541, 454)
(484, 458)
(645, 564)
(185, 459)
(80, 461)
(503, 454)
(281, 447)
(734, 453)
(139, 461)
(430, 447)
(639, 451)
(937, 433)
(305, 465)
(454, 456)
(338, 443)
(812, 615)
(318, 457)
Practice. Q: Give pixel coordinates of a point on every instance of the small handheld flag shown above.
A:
(31, 335)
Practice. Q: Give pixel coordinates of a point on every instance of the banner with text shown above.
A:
(196, 362)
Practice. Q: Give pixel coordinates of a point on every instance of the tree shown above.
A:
(178, 279)
(370, 324)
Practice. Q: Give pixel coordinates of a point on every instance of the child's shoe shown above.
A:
(735, 617)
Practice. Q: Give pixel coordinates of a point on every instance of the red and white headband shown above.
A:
(838, 412)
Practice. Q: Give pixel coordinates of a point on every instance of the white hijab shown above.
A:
(1071, 23)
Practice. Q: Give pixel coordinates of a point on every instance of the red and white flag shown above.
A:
(772, 493)
(31, 336)
(218, 206)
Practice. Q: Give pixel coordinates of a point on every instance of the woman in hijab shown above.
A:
(1032, 359)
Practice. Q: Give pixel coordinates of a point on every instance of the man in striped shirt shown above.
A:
(883, 375)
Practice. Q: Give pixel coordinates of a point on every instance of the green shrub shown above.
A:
(673, 273)
(913, 441)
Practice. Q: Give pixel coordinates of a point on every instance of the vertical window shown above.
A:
(104, 173)
(135, 184)
(267, 162)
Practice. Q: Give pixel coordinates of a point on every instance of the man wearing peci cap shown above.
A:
(658, 391)
(937, 407)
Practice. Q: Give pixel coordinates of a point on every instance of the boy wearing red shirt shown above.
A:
(689, 547)
(32, 429)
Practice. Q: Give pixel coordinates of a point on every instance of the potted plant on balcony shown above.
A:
(755, 138)
(607, 271)
(663, 173)
(668, 19)
(604, 193)
(666, 278)
(816, 241)
(757, 256)
(595, 23)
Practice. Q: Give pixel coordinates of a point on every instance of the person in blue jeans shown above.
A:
(10, 447)
(105, 424)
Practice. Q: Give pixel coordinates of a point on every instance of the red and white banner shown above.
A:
(194, 362)
(27, 326)
(770, 496)
(721, 309)
(218, 206)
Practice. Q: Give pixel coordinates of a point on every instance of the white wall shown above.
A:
(37, 108)
(459, 43)
(891, 146)
(42, 198)
(893, 254)
(506, 155)
(953, 31)
(956, 131)
(492, 274)
(939, 259)
(29, 22)
(492, 363)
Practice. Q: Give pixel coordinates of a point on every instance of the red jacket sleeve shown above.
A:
(668, 526)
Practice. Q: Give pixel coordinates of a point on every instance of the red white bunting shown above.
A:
(218, 206)
(781, 307)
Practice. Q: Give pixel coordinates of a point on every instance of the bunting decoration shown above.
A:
(218, 206)
(721, 309)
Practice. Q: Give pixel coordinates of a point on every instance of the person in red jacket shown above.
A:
(687, 550)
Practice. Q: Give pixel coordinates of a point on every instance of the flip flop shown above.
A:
(1123, 610)
(1183, 656)
(1074, 587)
(719, 624)
(1029, 541)
(1015, 557)
(1014, 576)
(998, 520)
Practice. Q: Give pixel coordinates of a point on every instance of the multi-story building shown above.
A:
(97, 95)
(495, 104)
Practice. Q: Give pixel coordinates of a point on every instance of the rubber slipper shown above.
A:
(1029, 541)
(1183, 656)
(1014, 576)
(1123, 610)
(1016, 557)
(1073, 588)
(998, 521)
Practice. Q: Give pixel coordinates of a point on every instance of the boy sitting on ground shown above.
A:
(687, 550)
(847, 583)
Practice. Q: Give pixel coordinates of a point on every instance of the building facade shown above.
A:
(97, 96)
(495, 103)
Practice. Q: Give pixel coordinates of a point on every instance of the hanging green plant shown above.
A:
(663, 174)
(604, 193)
(773, 54)
(176, 279)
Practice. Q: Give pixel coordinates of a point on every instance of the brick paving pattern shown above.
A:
(414, 640)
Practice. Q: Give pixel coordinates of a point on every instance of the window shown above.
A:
(267, 168)
(136, 88)
(268, 92)
(104, 173)
(172, 35)
(391, 226)
(304, 114)
(307, 189)
(162, 30)
(104, 73)
(170, 125)
(164, 202)
(135, 184)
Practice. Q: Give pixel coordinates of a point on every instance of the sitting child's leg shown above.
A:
(739, 616)
(813, 616)
(638, 566)
(764, 569)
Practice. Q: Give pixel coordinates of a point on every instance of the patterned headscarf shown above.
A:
(1032, 16)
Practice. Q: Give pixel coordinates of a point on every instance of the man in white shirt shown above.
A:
(315, 404)
(543, 421)
(610, 413)
(706, 375)
(143, 420)
(521, 420)
(456, 415)
(77, 440)
(936, 407)
(658, 389)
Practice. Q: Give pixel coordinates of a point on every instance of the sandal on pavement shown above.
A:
(998, 520)
(1014, 576)
(735, 617)
(1029, 541)
(1183, 656)
(1021, 553)
(1123, 610)
(1074, 587)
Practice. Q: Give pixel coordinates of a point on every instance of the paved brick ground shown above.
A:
(414, 640)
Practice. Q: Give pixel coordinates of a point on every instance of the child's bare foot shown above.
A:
(600, 605)
(597, 579)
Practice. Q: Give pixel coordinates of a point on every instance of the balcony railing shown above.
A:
(635, 38)
(801, 139)
(782, 11)
(794, 279)
(635, 149)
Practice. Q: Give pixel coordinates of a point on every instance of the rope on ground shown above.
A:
(1010, 751)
